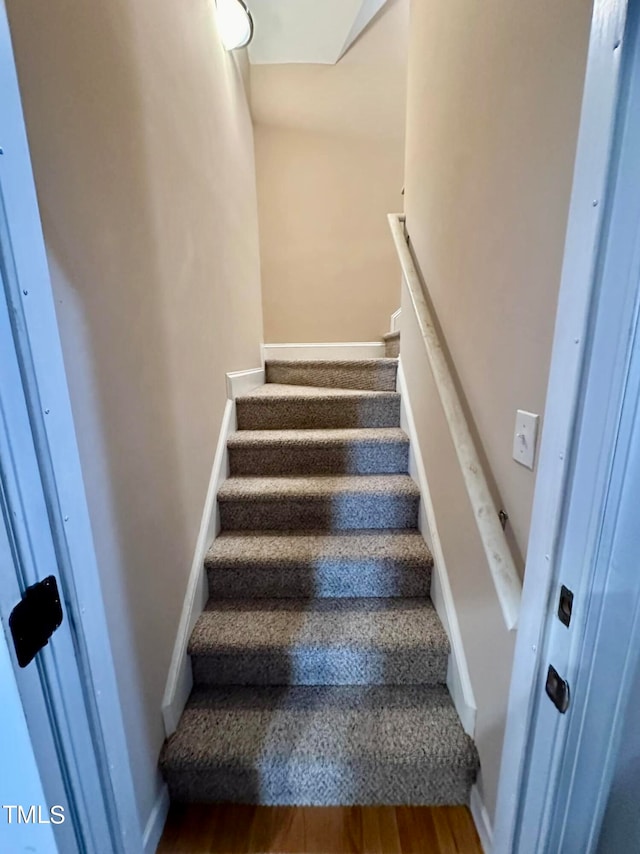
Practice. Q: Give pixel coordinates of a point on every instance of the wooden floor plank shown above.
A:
(229, 832)
(464, 830)
(417, 831)
(229, 829)
(353, 831)
(332, 828)
(173, 830)
(277, 830)
(444, 833)
(380, 831)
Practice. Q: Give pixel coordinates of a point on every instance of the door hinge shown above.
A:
(565, 605)
(35, 618)
(557, 690)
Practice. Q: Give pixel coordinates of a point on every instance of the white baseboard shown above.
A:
(242, 382)
(395, 321)
(481, 820)
(179, 680)
(156, 821)
(328, 352)
(458, 679)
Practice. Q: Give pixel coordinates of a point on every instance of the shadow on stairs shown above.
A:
(319, 663)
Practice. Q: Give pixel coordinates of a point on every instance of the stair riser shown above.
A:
(380, 377)
(387, 458)
(334, 581)
(392, 348)
(345, 512)
(335, 666)
(320, 783)
(307, 413)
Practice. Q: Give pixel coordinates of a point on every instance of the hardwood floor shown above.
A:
(229, 829)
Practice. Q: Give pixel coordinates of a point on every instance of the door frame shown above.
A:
(28, 305)
(596, 161)
(23, 784)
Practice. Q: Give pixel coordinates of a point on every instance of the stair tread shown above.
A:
(320, 437)
(281, 407)
(289, 624)
(268, 548)
(246, 488)
(368, 725)
(391, 336)
(276, 390)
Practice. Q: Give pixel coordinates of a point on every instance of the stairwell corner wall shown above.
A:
(329, 153)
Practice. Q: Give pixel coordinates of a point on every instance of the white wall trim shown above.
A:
(458, 678)
(243, 382)
(395, 321)
(156, 821)
(329, 351)
(179, 679)
(481, 820)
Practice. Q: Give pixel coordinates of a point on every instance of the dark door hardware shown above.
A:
(565, 605)
(557, 690)
(35, 618)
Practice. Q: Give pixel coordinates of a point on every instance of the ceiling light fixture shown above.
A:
(234, 23)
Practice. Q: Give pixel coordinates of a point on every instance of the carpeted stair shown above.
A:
(291, 407)
(319, 663)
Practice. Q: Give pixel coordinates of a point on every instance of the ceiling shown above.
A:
(307, 31)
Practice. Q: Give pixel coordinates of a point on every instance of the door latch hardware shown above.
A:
(557, 690)
(35, 618)
(565, 605)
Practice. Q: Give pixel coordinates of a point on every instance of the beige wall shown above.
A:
(494, 93)
(142, 146)
(494, 97)
(329, 157)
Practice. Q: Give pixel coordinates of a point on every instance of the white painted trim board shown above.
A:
(179, 679)
(327, 351)
(481, 820)
(458, 678)
(243, 382)
(156, 822)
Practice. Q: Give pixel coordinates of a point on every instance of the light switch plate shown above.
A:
(524, 438)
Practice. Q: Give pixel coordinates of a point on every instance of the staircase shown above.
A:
(319, 663)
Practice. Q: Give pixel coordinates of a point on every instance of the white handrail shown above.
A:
(503, 571)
